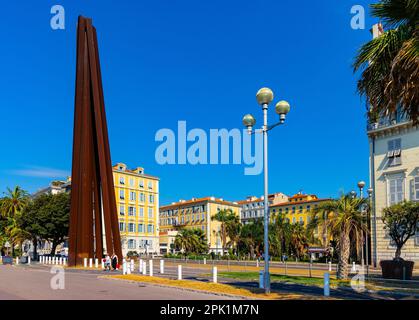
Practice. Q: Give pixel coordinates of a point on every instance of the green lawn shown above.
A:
(254, 276)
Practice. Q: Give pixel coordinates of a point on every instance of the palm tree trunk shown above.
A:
(344, 252)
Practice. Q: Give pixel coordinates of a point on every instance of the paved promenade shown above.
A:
(33, 282)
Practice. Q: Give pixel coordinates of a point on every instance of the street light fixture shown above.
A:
(264, 97)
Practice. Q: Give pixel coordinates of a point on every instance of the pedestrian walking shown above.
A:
(114, 262)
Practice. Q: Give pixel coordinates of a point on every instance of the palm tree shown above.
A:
(390, 62)
(233, 228)
(191, 241)
(15, 234)
(10, 207)
(251, 236)
(14, 202)
(345, 221)
(279, 236)
(298, 240)
(225, 217)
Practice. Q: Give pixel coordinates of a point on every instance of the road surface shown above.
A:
(34, 283)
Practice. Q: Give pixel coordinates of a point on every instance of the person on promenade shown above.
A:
(107, 263)
(114, 262)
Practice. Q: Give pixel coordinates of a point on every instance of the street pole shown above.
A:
(266, 277)
(265, 96)
(362, 231)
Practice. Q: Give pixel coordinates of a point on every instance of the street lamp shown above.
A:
(264, 97)
(369, 191)
(361, 185)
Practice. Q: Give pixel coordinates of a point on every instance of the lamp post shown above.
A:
(264, 97)
(370, 190)
(361, 185)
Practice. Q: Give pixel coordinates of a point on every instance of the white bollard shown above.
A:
(140, 266)
(257, 263)
(49, 260)
(124, 267)
(41, 260)
(103, 264)
(128, 269)
(179, 272)
(132, 266)
(353, 267)
(85, 262)
(214, 274)
(151, 267)
(90, 263)
(96, 263)
(61, 261)
(53, 260)
(161, 266)
(144, 267)
(17, 260)
(330, 266)
(29, 259)
(205, 260)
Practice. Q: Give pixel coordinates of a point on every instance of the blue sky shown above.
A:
(199, 61)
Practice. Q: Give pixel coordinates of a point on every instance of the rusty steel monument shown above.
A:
(94, 226)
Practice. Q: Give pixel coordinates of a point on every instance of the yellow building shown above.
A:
(298, 209)
(194, 213)
(137, 200)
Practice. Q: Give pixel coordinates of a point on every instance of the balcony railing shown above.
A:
(387, 122)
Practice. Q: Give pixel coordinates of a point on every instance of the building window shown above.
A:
(142, 197)
(416, 188)
(150, 185)
(293, 209)
(395, 190)
(417, 235)
(150, 213)
(131, 227)
(150, 228)
(132, 195)
(121, 194)
(301, 220)
(131, 211)
(141, 212)
(293, 220)
(301, 209)
(131, 244)
(131, 182)
(121, 180)
(140, 227)
(141, 184)
(122, 210)
(394, 152)
(122, 226)
(151, 198)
